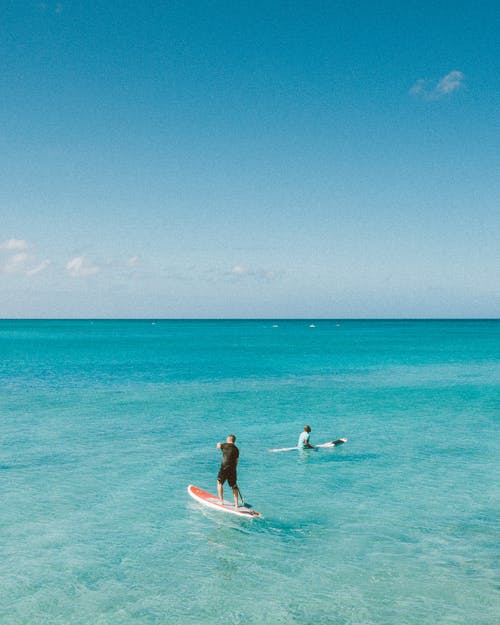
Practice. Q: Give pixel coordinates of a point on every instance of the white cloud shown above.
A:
(49, 7)
(418, 87)
(39, 268)
(133, 261)
(15, 263)
(80, 266)
(445, 86)
(14, 244)
(238, 272)
(20, 261)
(449, 83)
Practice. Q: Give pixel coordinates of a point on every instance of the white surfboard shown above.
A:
(339, 441)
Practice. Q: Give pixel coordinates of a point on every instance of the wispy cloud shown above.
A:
(80, 266)
(419, 87)
(239, 272)
(39, 268)
(14, 244)
(16, 262)
(19, 257)
(449, 83)
(436, 90)
(50, 7)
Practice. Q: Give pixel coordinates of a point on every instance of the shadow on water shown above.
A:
(354, 458)
(284, 531)
(309, 458)
(273, 527)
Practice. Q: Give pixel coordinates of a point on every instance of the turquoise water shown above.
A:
(105, 423)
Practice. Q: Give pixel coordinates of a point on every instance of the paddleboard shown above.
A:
(212, 501)
(339, 441)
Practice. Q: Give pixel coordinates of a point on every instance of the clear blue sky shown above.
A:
(249, 159)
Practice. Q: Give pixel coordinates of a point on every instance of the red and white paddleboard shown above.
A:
(212, 501)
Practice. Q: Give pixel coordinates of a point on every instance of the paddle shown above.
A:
(246, 505)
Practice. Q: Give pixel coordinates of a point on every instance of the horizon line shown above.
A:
(249, 318)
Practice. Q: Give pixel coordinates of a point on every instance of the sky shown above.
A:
(251, 159)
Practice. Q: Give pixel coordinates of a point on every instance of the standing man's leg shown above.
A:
(231, 480)
(235, 495)
(219, 489)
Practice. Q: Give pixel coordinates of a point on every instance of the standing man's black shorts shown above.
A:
(229, 474)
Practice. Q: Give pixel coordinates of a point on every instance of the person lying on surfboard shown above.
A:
(227, 471)
(304, 438)
(304, 442)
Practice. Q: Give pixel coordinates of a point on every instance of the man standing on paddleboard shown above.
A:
(304, 438)
(227, 471)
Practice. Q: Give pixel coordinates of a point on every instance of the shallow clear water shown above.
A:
(103, 425)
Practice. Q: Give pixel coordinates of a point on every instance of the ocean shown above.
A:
(103, 424)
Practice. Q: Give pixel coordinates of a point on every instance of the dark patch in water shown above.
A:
(43, 461)
(354, 458)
